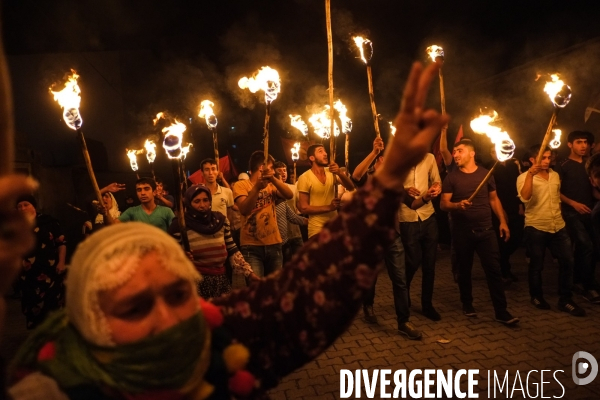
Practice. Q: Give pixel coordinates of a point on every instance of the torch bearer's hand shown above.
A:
(535, 169)
(113, 188)
(463, 204)
(335, 204)
(334, 169)
(416, 129)
(377, 145)
(265, 179)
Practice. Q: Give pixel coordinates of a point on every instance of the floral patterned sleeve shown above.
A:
(292, 316)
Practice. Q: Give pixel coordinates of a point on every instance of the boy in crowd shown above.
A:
(148, 211)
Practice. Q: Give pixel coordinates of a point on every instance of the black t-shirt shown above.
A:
(575, 184)
(505, 176)
(462, 186)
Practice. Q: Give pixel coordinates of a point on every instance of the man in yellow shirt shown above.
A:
(316, 196)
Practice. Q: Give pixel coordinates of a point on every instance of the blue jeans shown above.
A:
(264, 260)
(420, 240)
(560, 246)
(584, 240)
(394, 262)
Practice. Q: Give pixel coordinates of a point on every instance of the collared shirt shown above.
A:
(421, 177)
(542, 210)
(222, 199)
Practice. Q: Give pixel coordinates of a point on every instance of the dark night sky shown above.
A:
(142, 57)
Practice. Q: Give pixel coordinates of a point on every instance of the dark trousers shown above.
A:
(516, 225)
(291, 247)
(420, 241)
(483, 241)
(560, 246)
(264, 260)
(394, 262)
(585, 241)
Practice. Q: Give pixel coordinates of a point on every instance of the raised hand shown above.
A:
(416, 129)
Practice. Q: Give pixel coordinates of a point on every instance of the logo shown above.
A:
(580, 367)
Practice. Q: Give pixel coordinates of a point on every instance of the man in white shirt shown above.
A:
(222, 196)
(539, 189)
(418, 230)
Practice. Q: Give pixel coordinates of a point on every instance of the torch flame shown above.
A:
(559, 93)
(158, 116)
(206, 112)
(505, 147)
(299, 124)
(185, 150)
(150, 147)
(392, 129)
(69, 99)
(266, 79)
(132, 154)
(360, 43)
(296, 152)
(435, 52)
(346, 122)
(555, 143)
(173, 140)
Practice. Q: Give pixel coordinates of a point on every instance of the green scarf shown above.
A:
(160, 362)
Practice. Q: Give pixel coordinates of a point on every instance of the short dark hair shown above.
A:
(257, 159)
(279, 164)
(210, 161)
(573, 136)
(592, 166)
(148, 181)
(465, 142)
(535, 149)
(310, 152)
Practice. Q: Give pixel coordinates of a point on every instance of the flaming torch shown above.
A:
(365, 46)
(295, 157)
(437, 56)
(555, 143)
(69, 99)
(206, 112)
(505, 147)
(330, 81)
(296, 121)
(150, 147)
(267, 80)
(345, 125)
(560, 95)
(392, 129)
(132, 155)
(172, 143)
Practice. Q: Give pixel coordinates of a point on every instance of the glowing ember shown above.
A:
(299, 124)
(132, 154)
(346, 122)
(555, 143)
(435, 52)
(392, 129)
(559, 93)
(172, 142)
(361, 43)
(296, 152)
(150, 147)
(266, 79)
(69, 99)
(505, 147)
(206, 112)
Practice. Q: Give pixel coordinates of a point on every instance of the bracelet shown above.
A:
(425, 201)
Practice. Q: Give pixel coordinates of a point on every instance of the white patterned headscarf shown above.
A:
(114, 211)
(106, 260)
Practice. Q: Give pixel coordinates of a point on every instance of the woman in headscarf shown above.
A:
(42, 272)
(211, 244)
(134, 327)
(109, 205)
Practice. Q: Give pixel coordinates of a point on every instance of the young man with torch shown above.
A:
(316, 189)
(472, 229)
(255, 197)
(222, 195)
(539, 190)
(148, 212)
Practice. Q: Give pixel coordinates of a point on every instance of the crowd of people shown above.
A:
(144, 318)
